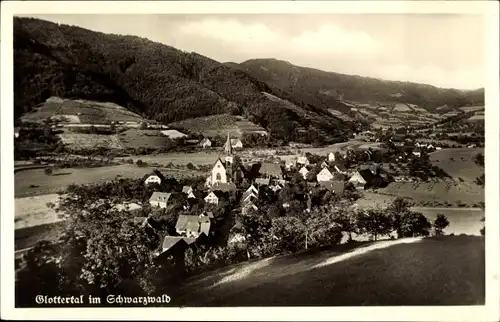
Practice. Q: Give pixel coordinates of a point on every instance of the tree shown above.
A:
(190, 166)
(397, 210)
(479, 159)
(413, 224)
(48, 171)
(143, 126)
(483, 230)
(440, 223)
(374, 222)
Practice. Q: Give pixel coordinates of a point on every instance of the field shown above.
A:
(89, 141)
(45, 184)
(81, 111)
(462, 220)
(134, 138)
(437, 192)
(458, 163)
(215, 125)
(32, 211)
(29, 236)
(431, 271)
(472, 108)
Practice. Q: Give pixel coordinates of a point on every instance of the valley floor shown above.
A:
(445, 270)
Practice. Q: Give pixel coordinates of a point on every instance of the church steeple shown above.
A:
(228, 149)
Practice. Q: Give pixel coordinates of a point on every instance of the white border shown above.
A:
(489, 312)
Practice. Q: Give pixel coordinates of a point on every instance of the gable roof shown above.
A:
(325, 171)
(160, 196)
(217, 193)
(248, 194)
(271, 169)
(235, 141)
(303, 168)
(367, 175)
(186, 189)
(215, 163)
(205, 140)
(170, 241)
(252, 188)
(159, 174)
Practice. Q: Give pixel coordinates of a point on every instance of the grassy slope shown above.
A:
(462, 165)
(434, 271)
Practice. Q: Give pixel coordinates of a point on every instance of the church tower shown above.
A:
(228, 151)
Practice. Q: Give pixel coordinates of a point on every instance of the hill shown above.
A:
(390, 272)
(154, 81)
(330, 89)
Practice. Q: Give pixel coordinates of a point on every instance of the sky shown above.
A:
(445, 50)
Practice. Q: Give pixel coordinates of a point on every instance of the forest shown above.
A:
(154, 80)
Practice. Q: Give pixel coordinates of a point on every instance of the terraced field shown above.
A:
(88, 141)
(135, 138)
(219, 125)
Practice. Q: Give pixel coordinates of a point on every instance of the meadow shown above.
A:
(458, 163)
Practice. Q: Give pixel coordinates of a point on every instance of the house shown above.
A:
(362, 179)
(159, 199)
(303, 171)
(430, 147)
(262, 181)
(206, 143)
(334, 186)
(270, 170)
(324, 175)
(16, 132)
(471, 146)
(303, 160)
(191, 195)
(290, 164)
(233, 143)
(155, 177)
(173, 134)
(323, 164)
(417, 154)
(187, 189)
(213, 197)
(193, 226)
(438, 148)
(275, 187)
(236, 144)
(331, 157)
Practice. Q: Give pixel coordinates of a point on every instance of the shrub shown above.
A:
(48, 171)
(190, 166)
(139, 163)
(440, 223)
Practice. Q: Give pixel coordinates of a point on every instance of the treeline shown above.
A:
(154, 80)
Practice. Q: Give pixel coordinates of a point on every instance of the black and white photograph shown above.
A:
(248, 160)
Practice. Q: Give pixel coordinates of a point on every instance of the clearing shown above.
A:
(445, 270)
(458, 163)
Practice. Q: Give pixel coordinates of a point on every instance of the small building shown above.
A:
(218, 173)
(159, 199)
(187, 189)
(303, 160)
(236, 144)
(291, 164)
(416, 153)
(270, 170)
(323, 165)
(247, 207)
(155, 177)
(324, 175)
(331, 157)
(214, 197)
(275, 187)
(303, 171)
(439, 148)
(16, 132)
(362, 179)
(206, 143)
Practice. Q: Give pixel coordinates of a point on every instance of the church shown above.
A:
(223, 176)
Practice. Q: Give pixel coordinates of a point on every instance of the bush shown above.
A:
(139, 163)
(190, 166)
(48, 171)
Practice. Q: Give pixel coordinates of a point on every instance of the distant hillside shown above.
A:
(326, 88)
(154, 80)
